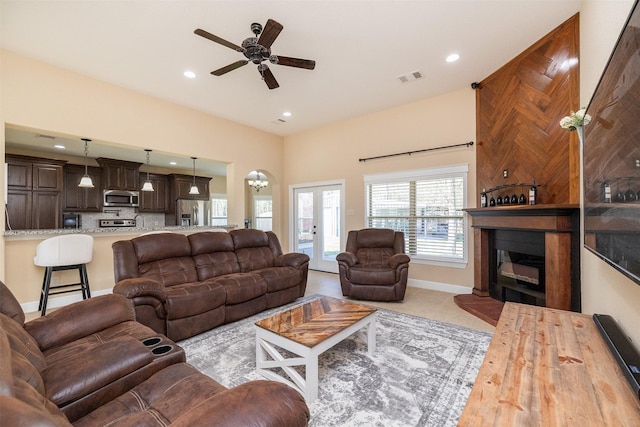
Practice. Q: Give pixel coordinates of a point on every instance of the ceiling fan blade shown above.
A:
(230, 67)
(267, 76)
(293, 62)
(270, 32)
(219, 40)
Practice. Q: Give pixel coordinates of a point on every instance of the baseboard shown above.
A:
(437, 286)
(55, 302)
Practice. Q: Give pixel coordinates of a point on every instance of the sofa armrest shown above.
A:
(398, 259)
(348, 258)
(79, 320)
(292, 259)
(141, 287)
(255, 403)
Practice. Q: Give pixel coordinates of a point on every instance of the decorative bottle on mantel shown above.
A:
(483, 199)
(532, 193)
(606, 189)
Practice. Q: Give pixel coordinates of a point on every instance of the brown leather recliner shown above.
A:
(89, 363)
(374, 266)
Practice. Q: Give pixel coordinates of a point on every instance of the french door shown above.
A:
(318, 224)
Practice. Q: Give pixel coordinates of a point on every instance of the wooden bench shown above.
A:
(547, 367)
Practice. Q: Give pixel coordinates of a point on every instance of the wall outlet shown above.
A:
(505, 173)
(638, 163)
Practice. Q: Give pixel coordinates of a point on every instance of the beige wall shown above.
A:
(331, 153)
(36, 95)
(40, 96)
(604, 290)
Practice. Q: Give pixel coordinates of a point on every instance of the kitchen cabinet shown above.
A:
(181, 185)
(34, 193)
(158, 199)
(120, 174)
(77, 199)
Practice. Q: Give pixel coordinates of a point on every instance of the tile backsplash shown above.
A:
(147, 220)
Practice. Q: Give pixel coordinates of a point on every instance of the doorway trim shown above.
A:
(292, 215)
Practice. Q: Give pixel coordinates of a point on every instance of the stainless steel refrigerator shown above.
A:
(193, 212)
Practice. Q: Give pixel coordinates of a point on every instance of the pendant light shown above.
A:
(147, 186)
(86, 181)
(194, 187)
(258, 183)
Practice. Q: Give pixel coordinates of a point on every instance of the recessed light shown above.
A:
(190, 74)
(287, 114)
(172, 163)
(453, 57)
(59, 146)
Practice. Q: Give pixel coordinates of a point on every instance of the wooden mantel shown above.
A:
(560, 225)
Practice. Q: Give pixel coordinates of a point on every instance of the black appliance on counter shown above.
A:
(71, 221)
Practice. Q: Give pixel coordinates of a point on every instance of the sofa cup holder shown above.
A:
(150, 342)
(162, 349)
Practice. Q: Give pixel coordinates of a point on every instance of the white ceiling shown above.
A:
(360, 48)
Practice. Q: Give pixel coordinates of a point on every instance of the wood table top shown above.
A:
(547, 367)
(311, 323)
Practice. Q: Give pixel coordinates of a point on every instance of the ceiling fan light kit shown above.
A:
(257, 50)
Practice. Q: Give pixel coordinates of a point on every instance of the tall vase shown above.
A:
(580, 130)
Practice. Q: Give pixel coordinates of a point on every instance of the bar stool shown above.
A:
(66, 252)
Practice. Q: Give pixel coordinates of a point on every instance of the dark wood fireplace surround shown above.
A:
(560, 225)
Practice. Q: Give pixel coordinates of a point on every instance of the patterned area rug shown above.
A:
(420, 375)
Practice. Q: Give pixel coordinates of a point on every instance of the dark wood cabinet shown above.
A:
(47, 177)
(46, 210)
(120, 174)
(18, 210)
(158, 199)
(79, 199)
(34, 193)
(181, 185)
(19, 174)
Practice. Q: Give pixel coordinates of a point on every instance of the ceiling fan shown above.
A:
(257, 50)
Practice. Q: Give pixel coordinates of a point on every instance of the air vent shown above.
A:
(409, 77)
(46, 137)
(279, 121)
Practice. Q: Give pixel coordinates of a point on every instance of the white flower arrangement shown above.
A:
(574, 120)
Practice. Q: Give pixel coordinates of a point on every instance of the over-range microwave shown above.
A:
(121, 198)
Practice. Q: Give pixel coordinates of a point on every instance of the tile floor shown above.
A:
(419, 302)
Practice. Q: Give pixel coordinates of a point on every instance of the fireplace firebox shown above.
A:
(518, 274)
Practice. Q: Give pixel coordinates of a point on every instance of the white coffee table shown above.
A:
(307, 331)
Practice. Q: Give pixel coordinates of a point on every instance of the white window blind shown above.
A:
(427, 206)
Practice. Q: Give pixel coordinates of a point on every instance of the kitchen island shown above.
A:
(25, 279)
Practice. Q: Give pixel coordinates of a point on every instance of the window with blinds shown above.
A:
(427, 206)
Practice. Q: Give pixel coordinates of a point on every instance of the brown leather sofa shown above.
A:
(184, 285)
(374, 266)
(87, 364)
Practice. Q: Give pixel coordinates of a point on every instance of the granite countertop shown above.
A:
(112, 231)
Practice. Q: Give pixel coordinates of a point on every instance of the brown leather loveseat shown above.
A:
(182, 285)
(91, 364)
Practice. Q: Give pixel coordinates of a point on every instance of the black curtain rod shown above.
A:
(408, 153)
